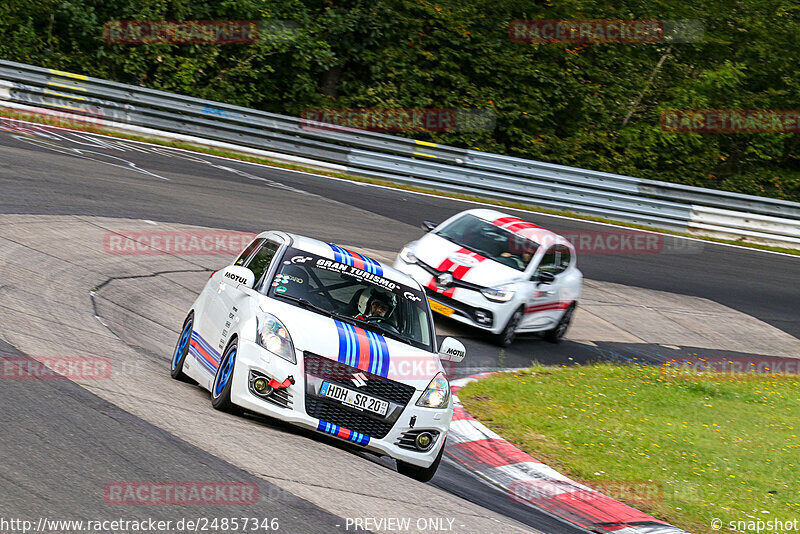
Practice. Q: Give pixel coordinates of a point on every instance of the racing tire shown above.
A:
(182, 350)
(422, 474)
(556, 334)
(509, 333)
(223, 381)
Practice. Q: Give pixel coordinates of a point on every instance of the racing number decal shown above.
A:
(228, 323)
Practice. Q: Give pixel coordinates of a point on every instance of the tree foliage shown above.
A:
(562, 103)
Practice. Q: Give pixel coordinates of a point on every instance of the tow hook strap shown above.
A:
(274, 384)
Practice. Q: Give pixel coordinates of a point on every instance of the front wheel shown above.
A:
(555, 335)
(509, 333)
(223, 382)
(181, 350)
(423, 474)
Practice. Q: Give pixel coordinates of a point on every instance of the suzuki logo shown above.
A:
(359, 380)
(445, 279)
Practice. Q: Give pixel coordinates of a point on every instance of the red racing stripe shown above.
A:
(203, 353)
(364, 350)
(548, 306)
(514, 224)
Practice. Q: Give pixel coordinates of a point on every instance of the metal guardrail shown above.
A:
(397, 159)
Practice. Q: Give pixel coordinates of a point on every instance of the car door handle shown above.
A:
(549, 293)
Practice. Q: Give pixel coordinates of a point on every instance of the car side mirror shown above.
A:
(235, 275)
(428, 225)
(545, 277)
(452, 350)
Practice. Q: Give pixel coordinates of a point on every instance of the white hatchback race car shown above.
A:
(499, 273)
(328, 339)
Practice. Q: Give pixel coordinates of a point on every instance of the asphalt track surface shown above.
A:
(71, 174)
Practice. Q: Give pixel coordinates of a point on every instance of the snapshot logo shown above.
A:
(583, 31)
(722, 121)
(76, 368)
(634, 493)
(181, 493)
(397, 120)
(209, 32)
(189, 242)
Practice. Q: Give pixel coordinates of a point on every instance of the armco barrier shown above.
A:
(678, 207)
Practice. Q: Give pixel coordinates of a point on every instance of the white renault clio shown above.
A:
(326, 338)
(496, 272)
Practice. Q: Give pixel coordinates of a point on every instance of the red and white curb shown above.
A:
(528, 480)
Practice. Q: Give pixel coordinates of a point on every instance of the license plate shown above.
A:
(354, 398)
(441, 308)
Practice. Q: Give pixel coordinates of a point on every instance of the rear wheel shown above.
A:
(555, 335)
(423, 474)
(223, 381)
(181, 350)
(509, 333)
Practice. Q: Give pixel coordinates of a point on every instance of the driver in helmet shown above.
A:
(378, 304)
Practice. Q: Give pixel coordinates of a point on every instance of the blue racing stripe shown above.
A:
(374, 359)
(343, 342)
(383, 348)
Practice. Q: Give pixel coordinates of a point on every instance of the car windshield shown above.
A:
(362, 297)
(490, 241)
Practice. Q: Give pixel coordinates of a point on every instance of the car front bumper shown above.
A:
(469, 307)
(253, 358)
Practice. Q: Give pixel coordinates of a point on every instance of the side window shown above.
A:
(548, 263)
(248, 251)
(564, 258)
(260, 262)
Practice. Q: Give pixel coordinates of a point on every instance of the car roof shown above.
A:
(530, 230)
(327, 250)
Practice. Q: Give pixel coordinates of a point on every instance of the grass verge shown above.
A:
(682, 445)
(88, 127)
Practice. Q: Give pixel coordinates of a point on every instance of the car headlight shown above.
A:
(499, 294)
(407, 255)
(437, 394)
(274, 337)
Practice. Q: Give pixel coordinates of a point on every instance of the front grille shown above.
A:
(377, 386)
(318, 368)
(347, 418)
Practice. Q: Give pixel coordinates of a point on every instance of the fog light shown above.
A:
(424, 441)
(261, 385)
